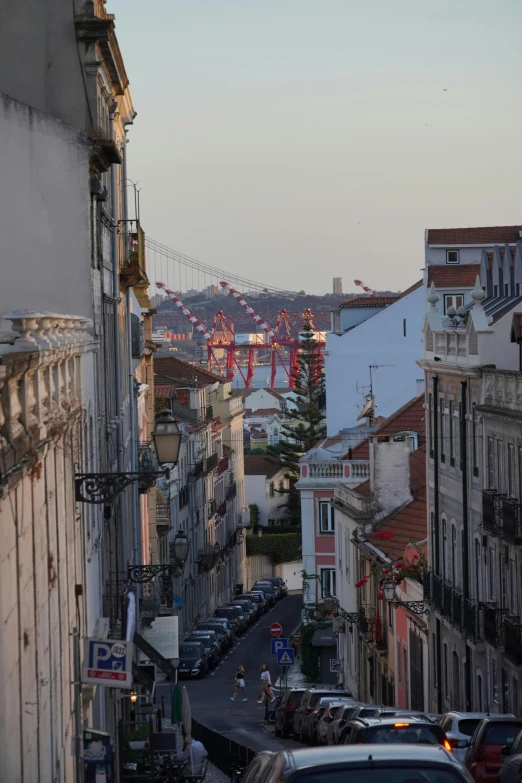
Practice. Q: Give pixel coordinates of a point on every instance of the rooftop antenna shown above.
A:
(368, 410)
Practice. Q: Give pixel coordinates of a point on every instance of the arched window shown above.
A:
(454, 555)
(444, 549)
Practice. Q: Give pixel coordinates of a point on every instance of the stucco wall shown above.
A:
(44, 214)
(379, 340)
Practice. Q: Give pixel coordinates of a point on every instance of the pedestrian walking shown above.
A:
(239, 684)
(266, 685)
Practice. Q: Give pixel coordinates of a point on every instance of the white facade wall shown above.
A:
(260, 399)
(257, 491)
(44, 220)
(379, 340)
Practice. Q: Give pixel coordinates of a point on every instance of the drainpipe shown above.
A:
(438, 662)
(137, 557)
(117, 356)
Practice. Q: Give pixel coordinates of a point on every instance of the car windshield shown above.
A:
(468, 726)
(392, 774)
(189, 651)
(407, 732)
(205, 641)
(226, 613)
(500, 733)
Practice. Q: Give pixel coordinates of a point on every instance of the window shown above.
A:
(474, 439)
(434, 659)
(500, 466)
(406, 680)
(347, 551)
(478, 576)
(328, 581)
(514, 691)
(511, 470)
(441, 417)
(513, 588)
(479, 693)
(491, 464)
(453, 300)
(495, 290)
(433, 553)
(518, 289)
(494, 682)
(404, 327)
(430, 420)
(454, 555)
(505, 691)
(445, 670)
(399, 662)
(452, 432)
(452, 256)
(503, 580)
(326, 517)
(271, 489)
(459, 434)
(444, 548)
(491, 574)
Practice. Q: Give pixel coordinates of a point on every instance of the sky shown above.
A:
(293, 141)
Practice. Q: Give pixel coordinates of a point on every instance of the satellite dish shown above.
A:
(365, 411)
(214, 386)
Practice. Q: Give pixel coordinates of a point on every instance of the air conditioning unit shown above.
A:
(339, 625)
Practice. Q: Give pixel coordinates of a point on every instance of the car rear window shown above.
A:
(423, 734)
(189, 651)
(367, 712)
(468, 726)
(294, 700)
(500, 733)
(395, 774)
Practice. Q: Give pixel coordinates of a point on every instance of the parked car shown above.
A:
(484, 754)
(210, 647)
(459, 728)
(255, 606)
(325, 715)
(193, 660)
(284, 713)
(259, 597)
(217, 644)
(278, 583)
(512, 761)
(343, 714)
(359, 764)
(398, 712)
(222, 627)
(278, 593)
(242, 617)
(374, 731)
(231, 616)
(302, 723)
(249, 609)
(268, 590)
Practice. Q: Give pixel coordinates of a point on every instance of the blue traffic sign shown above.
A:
(108, 662)
(279, 644)
(286, 657)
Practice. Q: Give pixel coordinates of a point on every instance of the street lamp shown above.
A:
(146, 573)
(388, 588)
(331, 604)
(134, 696)
(167, 438)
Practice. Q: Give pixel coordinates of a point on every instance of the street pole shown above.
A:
(78, 730)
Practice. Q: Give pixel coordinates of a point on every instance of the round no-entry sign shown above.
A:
(276, 630)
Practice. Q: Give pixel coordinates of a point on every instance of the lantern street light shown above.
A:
(331, 604)
(388, 588)
(167, 438)
(146, 573)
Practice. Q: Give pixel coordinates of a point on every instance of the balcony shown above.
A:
(209, 413)
(198, 470)
(493, 624)
(183, 497)
(222, 466)
(212, 508)
(513, 640)
(364, 626)
(438, 598)
(492, 507)
(231, 491)
(511, 521)
(133, 272)
(211, 463)
(222, 509)
(452, 604)
(163, 518)
(329, 471)
(473, 621)
(147, 463)
(138, 338)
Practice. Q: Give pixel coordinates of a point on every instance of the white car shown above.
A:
(459, 728)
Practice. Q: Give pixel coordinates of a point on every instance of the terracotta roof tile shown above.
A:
(261, 465)
(450, 276)
(409, 418)
(412, 288)
(489, 235)
(262, 412)
(163, 390)
(171, 369)
(370, 301)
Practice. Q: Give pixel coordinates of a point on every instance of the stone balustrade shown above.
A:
(40, 378)
(331, 471)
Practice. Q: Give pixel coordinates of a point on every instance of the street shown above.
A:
(210, 697)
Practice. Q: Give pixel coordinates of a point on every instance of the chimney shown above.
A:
(390, 474)
(420, 386)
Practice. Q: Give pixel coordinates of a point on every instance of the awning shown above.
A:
(324, 637)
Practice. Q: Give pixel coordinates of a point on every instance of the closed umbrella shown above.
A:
(186, 719)
(175, 711)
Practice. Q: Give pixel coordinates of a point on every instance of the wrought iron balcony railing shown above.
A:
(211, 462)
(511, 521)
(231, 491)
(198, 469)
(473, 621)
(183, 496)
(493, 624)
(492, 508)
(512, 634)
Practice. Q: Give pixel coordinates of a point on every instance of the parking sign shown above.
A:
(278, 644)
(107, 662)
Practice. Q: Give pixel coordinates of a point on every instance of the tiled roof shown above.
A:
(409, 418)
(162, 390)
(412, 288)
(261, 465)
(262, 412)
(171, 369)
(409, 524)
(258, 435)
(450, 276)
(489, 235)
(370, 301)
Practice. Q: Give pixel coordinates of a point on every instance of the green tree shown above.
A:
(306, 425)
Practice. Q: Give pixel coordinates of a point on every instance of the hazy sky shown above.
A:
(291, 141)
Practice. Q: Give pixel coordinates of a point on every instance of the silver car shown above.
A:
(459, 728)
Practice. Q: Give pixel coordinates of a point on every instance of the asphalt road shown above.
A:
(210, 697)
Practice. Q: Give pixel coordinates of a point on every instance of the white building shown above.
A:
(382, 332)
(264, 476)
